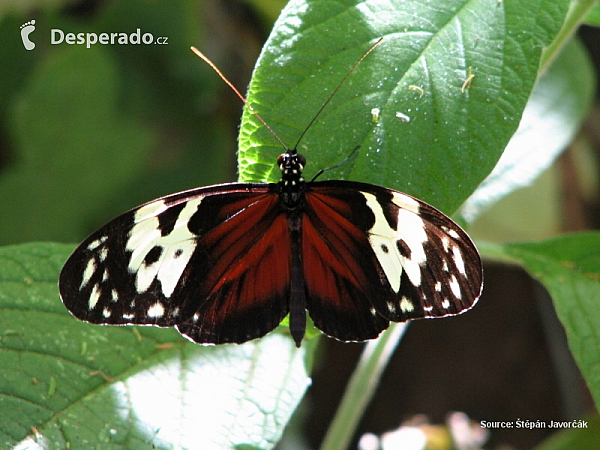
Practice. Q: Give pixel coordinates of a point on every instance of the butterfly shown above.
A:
(227, 263)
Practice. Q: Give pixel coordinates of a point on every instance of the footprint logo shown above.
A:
(26, 29)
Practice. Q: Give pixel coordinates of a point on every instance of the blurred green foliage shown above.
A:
(87, 133)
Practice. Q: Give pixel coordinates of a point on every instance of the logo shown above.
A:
(58, 36)
(26, 29)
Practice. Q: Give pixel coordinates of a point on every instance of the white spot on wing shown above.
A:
(94, 297)
(143, 238)
(455, 287)
(382, 234)
(406, 305)
(103, 254)
(411, 230)
(458, 260)
(445, 304)
(90, 268)
(96, 243)
(177, 248)
(151, 209)
(156, 310)
(445, 243)
(405, 202)
(453, 234)
(391, 307)
(174, 264)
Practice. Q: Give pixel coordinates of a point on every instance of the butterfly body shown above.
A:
(227, 263)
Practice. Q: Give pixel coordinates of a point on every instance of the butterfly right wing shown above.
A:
(374, 255)
(194, 260)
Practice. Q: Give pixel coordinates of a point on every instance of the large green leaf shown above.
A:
(569, 267)
(82, 385)
(435, 136)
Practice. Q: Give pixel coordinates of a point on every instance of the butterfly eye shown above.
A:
(280, 159)
(301, 160)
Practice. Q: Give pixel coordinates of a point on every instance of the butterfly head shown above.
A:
(291, 164)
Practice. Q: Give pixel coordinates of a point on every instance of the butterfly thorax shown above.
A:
(292, 183)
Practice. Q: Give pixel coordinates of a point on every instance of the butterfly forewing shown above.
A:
(197, 259)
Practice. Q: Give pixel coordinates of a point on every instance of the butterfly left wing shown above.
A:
(197, 260)
(380, 255)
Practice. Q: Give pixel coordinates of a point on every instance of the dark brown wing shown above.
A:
(242, 274)
(214, 262)
(373, 254)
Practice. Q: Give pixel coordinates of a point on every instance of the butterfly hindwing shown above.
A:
(386, 254)
(197, 259)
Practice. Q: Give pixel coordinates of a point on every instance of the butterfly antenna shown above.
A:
(335, 166)
(337, 89)
(242, 98)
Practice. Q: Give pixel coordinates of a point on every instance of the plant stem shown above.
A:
(361, 387)
(578, 10)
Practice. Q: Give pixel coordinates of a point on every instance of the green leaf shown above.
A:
(454, 134)
(569, 267)
(82, 385)
(553, 115)
(585, 438)
(593, 17)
